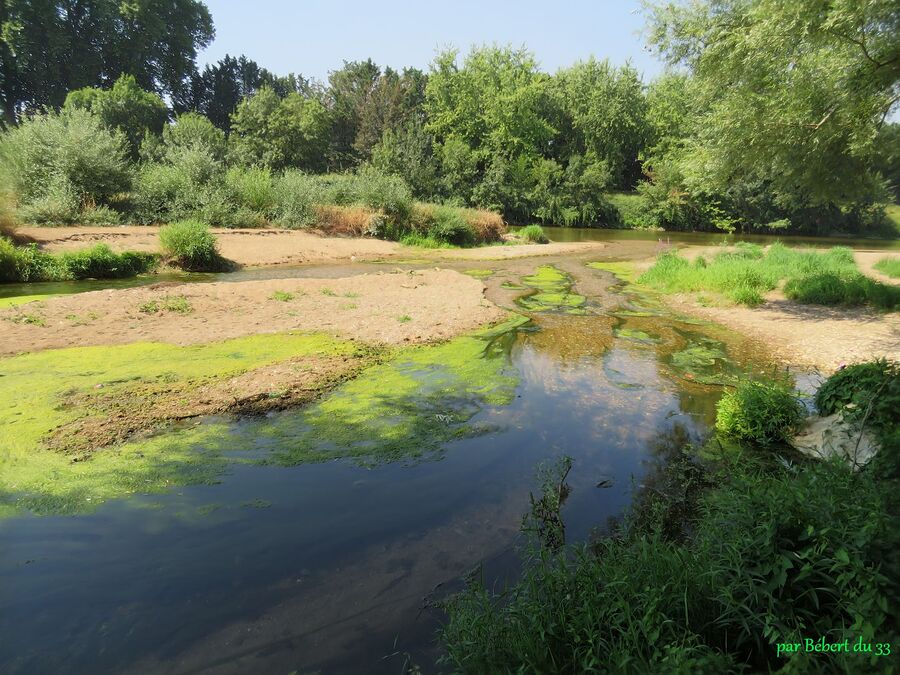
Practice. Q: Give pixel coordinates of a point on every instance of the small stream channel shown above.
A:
(328, 567)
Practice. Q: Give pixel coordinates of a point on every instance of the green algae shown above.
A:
(704, 360)
(625, 271)
(405, 408)
(552, 292)
(510, 286)
(635, 335)
(31, 406)
(480, 274)
(25, 299)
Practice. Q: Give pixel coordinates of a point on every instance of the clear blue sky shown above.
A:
(312, 37)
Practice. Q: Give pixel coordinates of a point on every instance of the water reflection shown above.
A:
(326, 566)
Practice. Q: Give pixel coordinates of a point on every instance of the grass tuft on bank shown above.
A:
(745, 272)
(889, 266)
(29, 263)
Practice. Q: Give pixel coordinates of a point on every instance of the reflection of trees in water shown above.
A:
(667, 497)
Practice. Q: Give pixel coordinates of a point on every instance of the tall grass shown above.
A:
(889, 266)
(745, 272)
(191, 245)
(28, 263)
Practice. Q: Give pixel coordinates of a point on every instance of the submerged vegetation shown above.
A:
(719, 569)
(553, 291)
(747, 271)
(407, 407)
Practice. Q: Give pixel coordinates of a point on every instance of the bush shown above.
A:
(871, 388)
(72, 151)
(190, 244)
(296, 195)
(8, 261)
(534, 234)
(252, 188)
(386, 193)
(450, 227)
(759, 412)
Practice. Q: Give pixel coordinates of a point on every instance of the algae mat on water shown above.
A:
(412, 404)
(553, 292)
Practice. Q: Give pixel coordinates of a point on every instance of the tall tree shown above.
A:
(217, 91)
(50, 47)
(125, 107)
(794, 90)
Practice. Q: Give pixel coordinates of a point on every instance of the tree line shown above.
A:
(773, 115)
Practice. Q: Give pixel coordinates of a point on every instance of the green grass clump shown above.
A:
(533, 234)
(282, 296)
(759, 412)
(177, 304)
(29, 263)
(889, 266)
(190, 244)
(767, 556)
(745, 272)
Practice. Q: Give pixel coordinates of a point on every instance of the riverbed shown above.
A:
(331, 561)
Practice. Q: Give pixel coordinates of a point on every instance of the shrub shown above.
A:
(773, 557)
(487, 225)
(252, 188)
(759, 412)
(534, 234)
(190, 244)
(73, 148)
(29, 263)
(871, 388)
(8, 261)
(450, 227)
(383, 192)
(295, 197)
(354, 221)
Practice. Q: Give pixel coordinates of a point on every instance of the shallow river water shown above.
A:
(330, 567)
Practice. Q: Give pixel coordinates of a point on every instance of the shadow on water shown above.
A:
(328, 565)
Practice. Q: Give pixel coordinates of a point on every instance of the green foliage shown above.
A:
(783, 114)
(51, 48)
(744, 273)
(450, 227)
(295, 194)
(759, 412)
(768, 557)
(60, 163)
(280, 133)
(125, 107)
(28, 263)
(869, 391)
(190, 244)
(889, 266)
(533, 234)
(252, 188)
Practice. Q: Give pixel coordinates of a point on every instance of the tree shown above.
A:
(51, 47)
(348, 90)
(217, 91)
(280, 132)
(604, 114)
(125, 107)
(793, 91)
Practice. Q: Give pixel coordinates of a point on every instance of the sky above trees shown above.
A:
(315, 37)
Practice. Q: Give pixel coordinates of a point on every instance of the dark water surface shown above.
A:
(328, 567)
